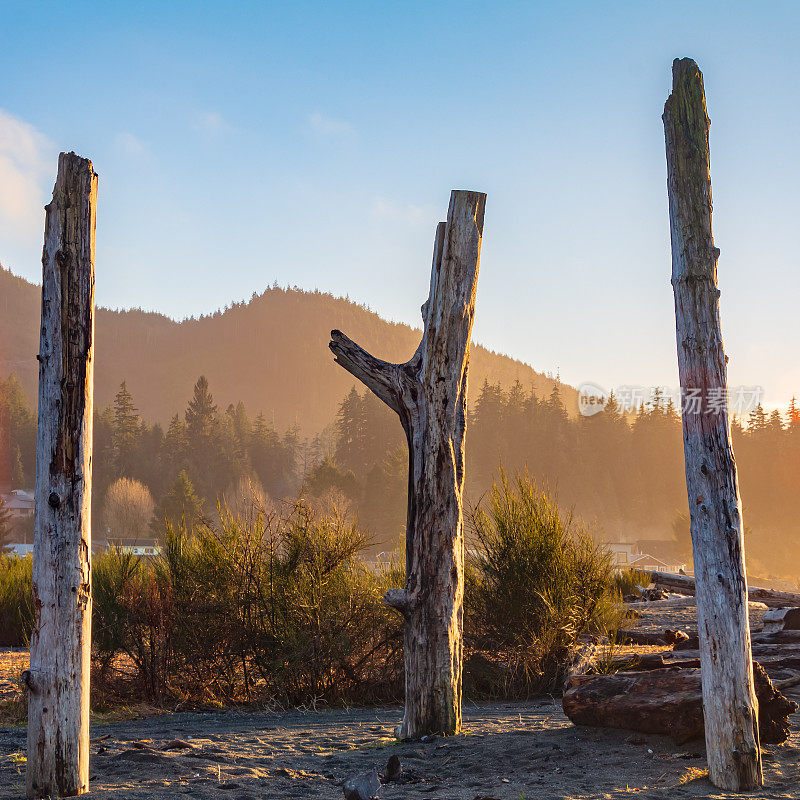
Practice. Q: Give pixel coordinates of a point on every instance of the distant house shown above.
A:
(19, 503)
(647, 563)
(632, 555)
(136, 547)
(622, 553)
(20, 506)
(20, 550)
(664, 552)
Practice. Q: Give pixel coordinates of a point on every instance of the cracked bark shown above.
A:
(729, 701)
(58, 701)
(429, 394)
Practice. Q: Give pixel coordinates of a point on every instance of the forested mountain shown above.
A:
(621, 474)
(271, 353)
(171, 450)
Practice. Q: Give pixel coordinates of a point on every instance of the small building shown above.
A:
(19, 549)
(19, 503)
(632, 555)
(622, 553)
(665, 552)
(136, 547)
(19, 506)
(644, 562)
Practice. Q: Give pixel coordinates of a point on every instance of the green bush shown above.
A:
(537, 583)
(16, 600)
(626, 581)
(280, 608)
(261, 607)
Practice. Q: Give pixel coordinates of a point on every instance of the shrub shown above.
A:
(262, 606)
(626, 581)
(128, 509)
(16, 601)
(277, 606)
(537, 583)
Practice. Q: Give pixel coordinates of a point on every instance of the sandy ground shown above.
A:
(509, 751)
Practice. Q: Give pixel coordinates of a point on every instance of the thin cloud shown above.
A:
(329, 127)
(27, 168)
(130, 144)
(408, 214)
(212, 124)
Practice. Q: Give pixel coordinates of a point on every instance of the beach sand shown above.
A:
(508, 751)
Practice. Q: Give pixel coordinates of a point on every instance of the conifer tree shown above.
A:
(17, 470)
(757, 420)
(793, 417)
(126, 432)
(180, 505)
(201, 413)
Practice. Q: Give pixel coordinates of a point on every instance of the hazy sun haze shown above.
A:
(381, 392)
(299, 143)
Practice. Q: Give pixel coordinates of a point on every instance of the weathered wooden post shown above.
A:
(729, 702)
(58, 679)
(429, 393)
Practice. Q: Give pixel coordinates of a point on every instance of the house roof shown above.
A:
(19, 500)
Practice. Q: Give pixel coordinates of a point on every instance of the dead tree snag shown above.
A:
(58, 702)
(730, 706)
(429, 393)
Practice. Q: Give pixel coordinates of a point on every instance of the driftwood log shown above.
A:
(729, 697)
(774, 658)
(771, 637)
(665, 701)
(664, 637)
(429, 394)
(781, 619)
(58, 678)
(685, 584)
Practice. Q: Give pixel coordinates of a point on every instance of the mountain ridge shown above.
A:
(269, 352)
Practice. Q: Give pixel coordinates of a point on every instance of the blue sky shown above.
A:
(316, 144)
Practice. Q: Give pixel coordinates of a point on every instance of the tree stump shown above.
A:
(58, 679)
(731, 708)
(429, 393)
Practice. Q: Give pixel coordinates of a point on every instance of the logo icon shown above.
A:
(592, 399)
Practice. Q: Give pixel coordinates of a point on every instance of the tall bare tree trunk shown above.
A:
(429, 393)
(58, 679)
(729, 702)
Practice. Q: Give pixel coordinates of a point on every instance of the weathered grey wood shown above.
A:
(657, 605)
(685, 584)
(757, 638)
(781, 619)
(58, 679)
(729, 700)
(770, 656)
(429, 393)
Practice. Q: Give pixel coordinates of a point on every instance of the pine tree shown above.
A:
(175, 446)
(181, 505)
(211, 458)
(201, 413)
(17, 470)
(775, 423)
(273, 460)
(757, 420)
(793, 417)
(350, 425)
(126, 432)
(241, 431)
